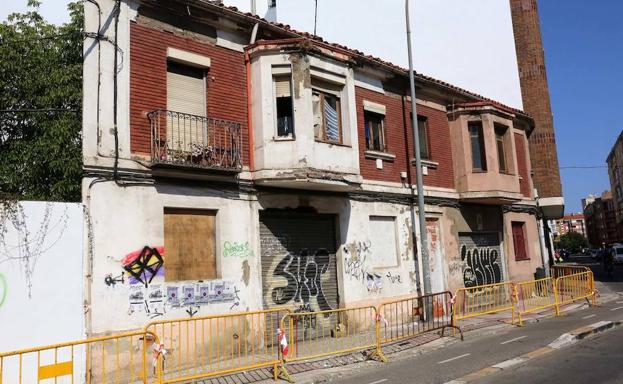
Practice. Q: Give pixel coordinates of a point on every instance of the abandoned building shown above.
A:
(236, 164)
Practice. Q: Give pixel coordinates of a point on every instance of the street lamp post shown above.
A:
(418, 166)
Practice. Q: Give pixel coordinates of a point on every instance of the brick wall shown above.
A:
(226, 82)
(399, 140)
(535, 96)
(522, 165)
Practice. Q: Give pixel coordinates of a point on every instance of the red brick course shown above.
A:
(226, 82)
(399, 140)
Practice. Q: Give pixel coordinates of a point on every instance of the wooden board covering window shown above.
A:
(189, 245)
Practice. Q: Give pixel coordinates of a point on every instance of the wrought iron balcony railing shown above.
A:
(181, 139)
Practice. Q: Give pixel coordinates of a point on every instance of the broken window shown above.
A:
(422, 123)
(375, 131)
(283, 103)
(189, 244)
(327, 112)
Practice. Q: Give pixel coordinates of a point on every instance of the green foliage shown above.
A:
(573, 242)
(41, 69)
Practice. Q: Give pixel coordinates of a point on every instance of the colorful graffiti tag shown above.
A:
(143, 265)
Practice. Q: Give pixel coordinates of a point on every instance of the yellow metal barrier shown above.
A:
(120, 358)
(313, 335)
(409, 317)
(483, 300)
(557, 271)
(201, 347)
(536, 295)
(575, 287)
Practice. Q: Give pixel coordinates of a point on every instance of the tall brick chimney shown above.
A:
(535, 96)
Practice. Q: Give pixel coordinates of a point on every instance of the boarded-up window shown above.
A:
(383, 245)
(189, 245)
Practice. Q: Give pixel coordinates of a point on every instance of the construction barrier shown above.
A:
(313, 335)
(201, 347)
(574, 287)
(558, 270)
(537, 295)
(409, 317)
(484, 299)
(119, 359)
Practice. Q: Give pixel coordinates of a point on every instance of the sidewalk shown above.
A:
(325, 369)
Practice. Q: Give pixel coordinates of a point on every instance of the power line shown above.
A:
(40, 110)
(584, 167)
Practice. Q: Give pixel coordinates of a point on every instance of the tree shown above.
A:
(40, 106)
(573, 241)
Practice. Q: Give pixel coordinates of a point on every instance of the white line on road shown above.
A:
(454, 358)
(379, 381)
(589, 316)
(614, 309)
(511, 340)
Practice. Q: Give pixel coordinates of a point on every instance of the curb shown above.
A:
(564, 340)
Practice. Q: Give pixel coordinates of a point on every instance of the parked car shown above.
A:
(596, 253)
(617, 252)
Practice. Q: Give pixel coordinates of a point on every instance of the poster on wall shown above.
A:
(204, 293)
(156, 298)
(137, 298)
(189, 294)
(173, 296)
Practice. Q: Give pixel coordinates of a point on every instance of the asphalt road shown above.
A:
(595, 361)
(477, 352)
(605, 282)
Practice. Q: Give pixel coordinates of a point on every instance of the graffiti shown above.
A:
(393, 279)
(355, 256)
(307, 321)
(4, 289)
(303, 274)
(234, 249)
(374, 283)
(144, 265)
(482, 266)
(109, 280)
(192, 312)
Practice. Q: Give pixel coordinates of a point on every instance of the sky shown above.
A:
(583, 53)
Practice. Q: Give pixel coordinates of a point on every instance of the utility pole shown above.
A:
(418, 166)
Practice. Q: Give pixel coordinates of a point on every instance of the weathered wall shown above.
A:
(41, 279)
(519, 270)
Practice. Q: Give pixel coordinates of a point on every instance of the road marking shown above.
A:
(614, 309)
(379, 381)
(589, 316)
(454, 358)
(511, 340)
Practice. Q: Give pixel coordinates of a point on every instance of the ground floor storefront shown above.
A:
(176, 250)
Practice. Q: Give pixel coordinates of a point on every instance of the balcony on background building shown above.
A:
(191, 142)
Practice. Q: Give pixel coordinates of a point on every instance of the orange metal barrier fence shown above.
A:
(537, 295)
(409, 317)
(208, 346)
(119, 359)
(557, 271)
(483, 300)
(576, 287)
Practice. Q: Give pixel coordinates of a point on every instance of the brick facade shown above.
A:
(226, 82)
(399, 140)
(535, 96)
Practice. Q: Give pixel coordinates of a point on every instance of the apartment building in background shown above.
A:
(573, 222)
(615, 173)
(599, 214)
(237, 164)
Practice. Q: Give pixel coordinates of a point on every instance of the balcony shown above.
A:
(180, 140)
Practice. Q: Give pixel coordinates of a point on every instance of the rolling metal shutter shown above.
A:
(481, 257)
(298, 261)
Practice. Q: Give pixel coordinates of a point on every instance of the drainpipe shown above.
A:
(418, 165)
(247, 61)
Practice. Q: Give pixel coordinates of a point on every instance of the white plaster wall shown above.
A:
(302, 151)
(41, 282)
(466, 43)
(137, 221)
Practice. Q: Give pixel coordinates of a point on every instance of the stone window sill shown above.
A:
(379, 155)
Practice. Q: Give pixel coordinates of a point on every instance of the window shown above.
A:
(422, 124)
(186, 95)
(479, 161)
(283, 103)
(383, 245)
(189, 244)
(500, 134)
(519, 241)
(375, 131)
(327, 112)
